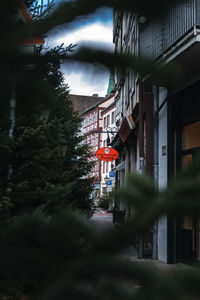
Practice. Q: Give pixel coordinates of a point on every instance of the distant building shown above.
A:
(108, 132)
(91, 129)
(81, 103)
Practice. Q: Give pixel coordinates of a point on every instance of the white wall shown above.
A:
(162, 175)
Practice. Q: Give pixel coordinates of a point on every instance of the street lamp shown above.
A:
(108, 139)
(106, 178)
(112, 131)
(63, 147)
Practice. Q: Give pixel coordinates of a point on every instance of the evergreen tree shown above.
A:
(46, 154)
(63, 257)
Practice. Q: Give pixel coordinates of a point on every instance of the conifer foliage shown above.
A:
(46, 254)
(47, 158)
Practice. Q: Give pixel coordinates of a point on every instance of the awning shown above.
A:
(126, 128)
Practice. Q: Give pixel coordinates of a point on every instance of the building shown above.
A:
(166, 114)
(134, 117)
(81, 103)
(126, 97)
(107, 135)
(177, 116)
(91, 133)
(91, 130)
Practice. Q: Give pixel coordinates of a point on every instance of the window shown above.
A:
(104, 122)
(104, 167)
(113, 117)
(108, 120)
(92, 118)
(190, 141)
(191, 137)
(96, 117)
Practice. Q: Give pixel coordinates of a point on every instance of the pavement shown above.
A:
(104, 220)
(154, 263)
(131, 254)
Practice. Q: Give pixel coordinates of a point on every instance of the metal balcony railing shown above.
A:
(159, 35)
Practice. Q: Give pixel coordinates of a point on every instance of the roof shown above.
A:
(25, 12)
(33, 41)
(97, 103)
(82, 103)
(93, 106)
(27, 17)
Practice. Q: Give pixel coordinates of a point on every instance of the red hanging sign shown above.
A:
(107, 154)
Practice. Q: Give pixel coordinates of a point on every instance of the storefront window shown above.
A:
(190, 142)
(190, 225)
(187, 159)
(191, 136)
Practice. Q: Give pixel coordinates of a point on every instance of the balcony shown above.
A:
(174, 38)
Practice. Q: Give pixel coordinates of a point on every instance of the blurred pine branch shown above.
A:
(65, 257)
(62, 256)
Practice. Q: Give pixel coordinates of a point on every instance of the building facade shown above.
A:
(91, 129)
(166, 114)
(126, 96)
(134, 115)
(91, 133)
(108, 132)
(177, 113)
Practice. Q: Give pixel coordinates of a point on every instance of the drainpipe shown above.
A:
(141, 132)
(141, 155)
(155, 163)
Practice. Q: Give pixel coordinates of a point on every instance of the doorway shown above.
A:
(190, 224)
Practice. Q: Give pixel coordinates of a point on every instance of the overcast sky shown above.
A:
(95, 29)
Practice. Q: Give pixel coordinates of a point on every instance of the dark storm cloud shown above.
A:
(102, 15)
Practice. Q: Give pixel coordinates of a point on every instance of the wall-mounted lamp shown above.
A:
(108, 139)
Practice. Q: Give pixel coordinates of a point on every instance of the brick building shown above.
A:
(92, 131)
(81, 102)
